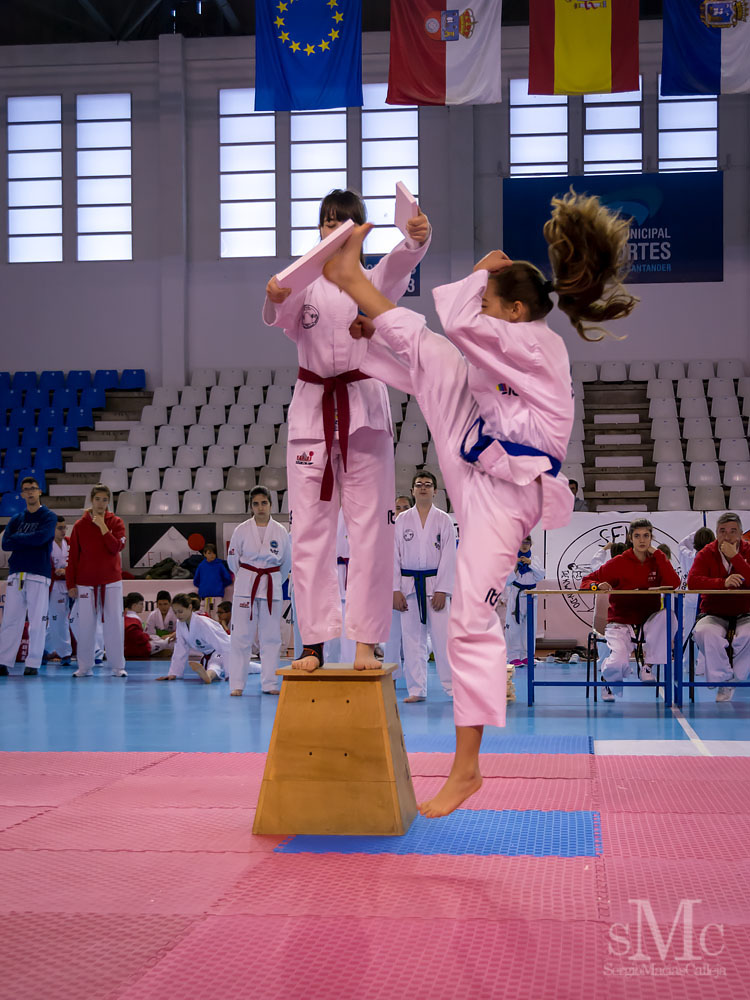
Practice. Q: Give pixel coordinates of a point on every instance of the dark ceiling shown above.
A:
(46, 22)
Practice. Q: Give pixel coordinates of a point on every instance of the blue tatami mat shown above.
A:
(496, 742)
(509, 832)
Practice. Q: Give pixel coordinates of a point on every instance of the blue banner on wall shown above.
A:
(677, 232)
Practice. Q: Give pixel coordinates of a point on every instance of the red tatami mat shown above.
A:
(510, 765)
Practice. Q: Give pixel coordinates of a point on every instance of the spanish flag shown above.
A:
(583, 46)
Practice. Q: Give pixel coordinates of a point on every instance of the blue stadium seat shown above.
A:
(63, 399)
(36, 399)
(80, 416)
(7, 481)
(50, 417)
(106, 378)
(34, 437)
(94, 398)
(133, 378)
(78, 379)
(24, 380)
(64, 437)
(22, 417)
(12, 399)
(8, 438)
(48, 458)
(38, 474)
(52, 380)
(17, 458)
(12, 504)
(4, 381)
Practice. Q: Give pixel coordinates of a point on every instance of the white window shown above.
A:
(688, 132)
(247, 163)
(104, 172)
(390, 153)
(318, 165)
(34, 179)
(538, 132)
(612, 132)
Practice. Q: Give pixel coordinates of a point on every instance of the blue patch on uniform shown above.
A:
(273, 545)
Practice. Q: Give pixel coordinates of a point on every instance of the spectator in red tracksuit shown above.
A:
(94, 578)
(139, 645)
(723, 565)
(641, 567)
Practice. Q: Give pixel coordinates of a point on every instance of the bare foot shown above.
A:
(273, 691)
(167, 677)
(236, 694)
(413, 698)
(344, 264)
(364, 657)
(201, 671)
(456, 790)
(308, 663)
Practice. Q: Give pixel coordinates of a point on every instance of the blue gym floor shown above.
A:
(54, 711)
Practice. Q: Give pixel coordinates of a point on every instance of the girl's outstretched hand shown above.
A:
(275, 292)
(495, 260)
(361, 327)
(418, 228)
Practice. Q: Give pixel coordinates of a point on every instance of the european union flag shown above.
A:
(308, 54)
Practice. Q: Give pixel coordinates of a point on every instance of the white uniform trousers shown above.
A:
(24, 598)
(515, 631)
(620, 637)
(711, 638)
(58, 627)
(414, 638)
(87, 612)
(268, 624)
(393, 648)
(689, 614)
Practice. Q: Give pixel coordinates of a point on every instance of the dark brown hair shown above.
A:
(702, 538)
(342, 205)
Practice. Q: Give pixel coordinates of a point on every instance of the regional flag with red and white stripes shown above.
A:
(583, 46)
(445, 56)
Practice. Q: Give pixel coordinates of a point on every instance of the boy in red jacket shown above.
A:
(139, 645)
(641, 567)
(723, 565)
(94, 578)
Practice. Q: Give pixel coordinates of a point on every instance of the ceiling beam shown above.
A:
(139, 20)
(97, 17)
(229, 15)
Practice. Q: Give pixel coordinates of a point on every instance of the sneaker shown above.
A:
(725, 694)
(647, 675)
(82, 673)
(574, 658)
(119, 673)
(98, 663)
(30, 671)
(608, 694)
(4, 671)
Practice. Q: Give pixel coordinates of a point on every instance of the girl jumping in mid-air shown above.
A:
(501, 415)
(341, 441)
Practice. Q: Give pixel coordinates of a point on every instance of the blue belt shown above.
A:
(420, 588)
(511, 447)
(520, 586)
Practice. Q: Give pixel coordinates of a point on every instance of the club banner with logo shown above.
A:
(677, 232)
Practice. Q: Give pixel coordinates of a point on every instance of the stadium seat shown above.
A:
(177, 478)
(440, 500)
(48, 457)
(671, 370)
(277, 456)
(258, 377)
(746, 406)
(662, 408)
(579, 411)
(24, 380)
(709, 498)
(93, 398)
(116, 479)
(397, 395)
(272, 479)
(704, 474)
(220, 456)
(165, 395)
(241, 479)
(4, 382)
(193, 395)
(701, 369)
(285, 376)
(250, 456)
(197, 502)
(164, 502)
(734, 450)
(660, 388)
(17, 458)
(106, 378)
(211, 415)
(145, 479)
(397, 413)
(693, 406)
(131, 503)
(701, 450)
(725, 406)
(282, 433)
(698, 427)
(143, 435)
(261, 434)
(720, 387)
(409, 453)
(8, 438)
(641, 371)
(203, 377)
(50, 418)
(201, 436)
(279, 394)
(729, 427)
(241, 414)
(8, 481)
(153, 416)
(613, 371)
(171, 436)
(412, 411)
(431, 459)
(689, 387)
(12, 504)
(80, 416)
(78, 379)
(271, 413)
(664, 427)
(209, 478)
(414, 431)
(730, 368)
(577, 432)
(182, 415)
(231, 378)
(668, 450)
(132, 378)
(232, 434)
(574, 470)
(737, 474)
(12, 399)
(158, 456)
(128, 457)
(674, 498)
(584, 371)
(64, 437)
(230, 502)
(222, 395)
(250, 395)
(670, 474)
(35, 437)
(36, 399)
(739, 498)
(22, 417)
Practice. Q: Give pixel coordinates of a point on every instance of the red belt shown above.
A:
(333, 385)
(261, 571)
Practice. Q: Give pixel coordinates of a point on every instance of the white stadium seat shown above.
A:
(701, 450)
(158, 456)
(725, 406)
(251, 456)
(164, 502)
(153, 416)
(641, 371)
(231, 377)
(660, 388)
(720, 387)
(737, 474)
(142, 435)
(674, 498)
(209, 478)
(729, 427)
(258, 376)
(704, 474)
(671, 370)
(127, 456)
(193, 395)
(670, 474)
(668, 450)
(734, 450)
(730, 368)
(250, 395)
(690, 387)
(116, 479)
(709, 498)
(145, 479)
(171, 437)
(701, 369)
(189, 455)
(197, 502)
(584, 371)
(613, 371)
(220, 455)
(230, 502)
(177, 478)
(203, 377)
(693, 406)
(222, 395)
(182, 415)
(165, 395)
(739, 498)
(131, 503)
(233, 434)
(201, 436)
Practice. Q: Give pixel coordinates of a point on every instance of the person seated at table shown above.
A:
(724, 565)
(641, 567)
